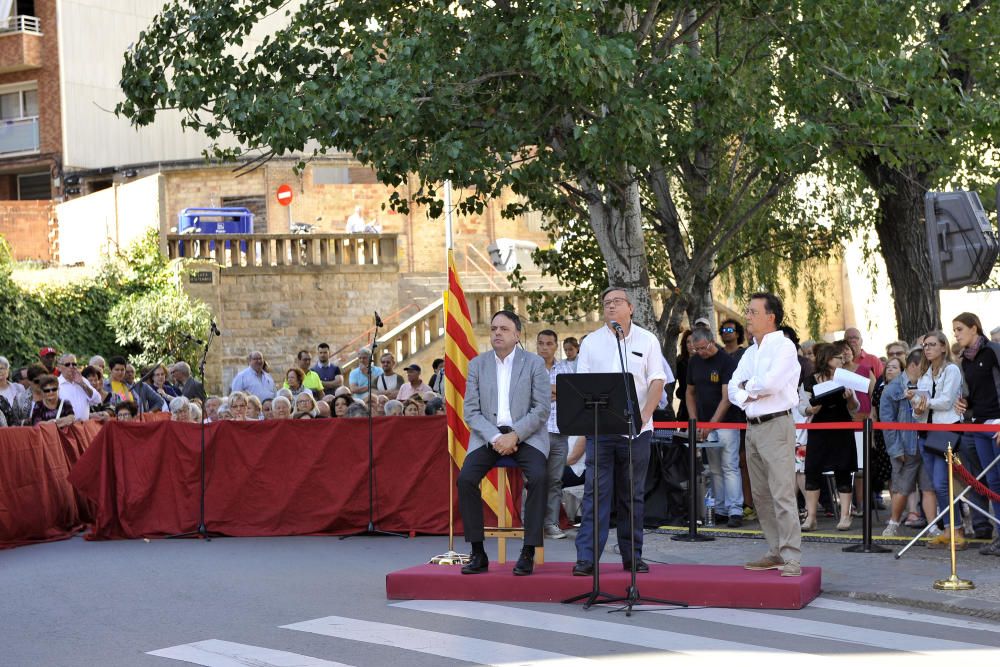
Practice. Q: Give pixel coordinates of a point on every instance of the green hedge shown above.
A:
(134, 306)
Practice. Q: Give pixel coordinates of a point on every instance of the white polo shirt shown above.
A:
(643, 359)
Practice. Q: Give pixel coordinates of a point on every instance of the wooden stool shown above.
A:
(504, 530)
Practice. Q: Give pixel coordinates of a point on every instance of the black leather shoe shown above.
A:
(525, 564)
(478, 564)
(583, 568)
(640, 566)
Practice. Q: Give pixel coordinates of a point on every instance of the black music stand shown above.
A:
(594, 402)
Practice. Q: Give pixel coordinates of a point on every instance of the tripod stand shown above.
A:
(202, 531)
(632, 592)
(371, 529)
(599, 401)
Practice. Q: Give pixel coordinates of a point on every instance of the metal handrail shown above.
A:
(21, 24)
(350, 345)
(475, 265)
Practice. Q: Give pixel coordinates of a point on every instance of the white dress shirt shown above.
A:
(770, 369)
(504, 368)
(78, 398)
(643, 357)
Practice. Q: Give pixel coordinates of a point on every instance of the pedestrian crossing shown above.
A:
(828, 632)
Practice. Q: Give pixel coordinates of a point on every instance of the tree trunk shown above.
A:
(903, 239)
(617, 225)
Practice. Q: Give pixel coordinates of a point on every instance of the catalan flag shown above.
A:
(459, 350)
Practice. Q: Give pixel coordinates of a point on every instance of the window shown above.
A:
(19, 104)
(330, 176)
(34, 186)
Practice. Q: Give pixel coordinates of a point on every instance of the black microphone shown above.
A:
(215, 329)
(617, 327)
(378, 320)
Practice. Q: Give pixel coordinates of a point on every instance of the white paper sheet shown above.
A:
(858, 383)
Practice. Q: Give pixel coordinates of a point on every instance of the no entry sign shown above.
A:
(284, 194)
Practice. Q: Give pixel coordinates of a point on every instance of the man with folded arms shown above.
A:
(765, 387)
(506, 407)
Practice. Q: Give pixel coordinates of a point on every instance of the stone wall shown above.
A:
(328, 205)
(281, 313)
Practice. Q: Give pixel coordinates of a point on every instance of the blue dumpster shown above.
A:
(226, 220)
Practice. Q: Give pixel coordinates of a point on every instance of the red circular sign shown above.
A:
(284, 194)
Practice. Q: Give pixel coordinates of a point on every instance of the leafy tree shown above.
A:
(908, 92)
(674, 130)
(606, 112)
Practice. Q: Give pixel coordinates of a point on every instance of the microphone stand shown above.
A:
(202, 531)
(371, 529)
(632, 596)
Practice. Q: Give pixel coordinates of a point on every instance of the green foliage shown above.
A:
(101, 315)
(717, 109)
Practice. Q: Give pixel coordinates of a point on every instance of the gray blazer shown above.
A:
(530, 399)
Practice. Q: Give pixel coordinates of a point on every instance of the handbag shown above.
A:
(938, 441)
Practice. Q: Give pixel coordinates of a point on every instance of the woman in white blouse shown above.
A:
(938, 389)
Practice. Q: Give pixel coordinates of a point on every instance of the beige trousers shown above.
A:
(771, 464)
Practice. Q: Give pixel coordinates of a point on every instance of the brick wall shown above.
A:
(30, 228)
(281, 313)
(47, 76)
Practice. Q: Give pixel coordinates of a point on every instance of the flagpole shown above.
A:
(448, 247)
(451, 459)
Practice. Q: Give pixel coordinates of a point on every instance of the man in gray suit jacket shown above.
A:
(507, 404)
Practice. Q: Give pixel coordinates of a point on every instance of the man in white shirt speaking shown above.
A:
(507, 406)
(643, 358)
(765, 386)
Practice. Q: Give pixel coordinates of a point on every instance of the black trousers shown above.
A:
(479, 462)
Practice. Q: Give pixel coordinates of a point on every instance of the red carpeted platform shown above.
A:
(702, 585)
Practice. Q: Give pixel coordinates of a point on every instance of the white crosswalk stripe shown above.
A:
(456, 647)
(804, 627)
(813, 636)
(218, 653)
(663, 640)
(902, 614)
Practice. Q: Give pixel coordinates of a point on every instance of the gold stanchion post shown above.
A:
(952, 583)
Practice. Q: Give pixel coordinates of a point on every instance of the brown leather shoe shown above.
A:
(766, 563)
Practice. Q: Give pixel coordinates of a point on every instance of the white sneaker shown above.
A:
(891, 529)
(554, 532)
(933, 531)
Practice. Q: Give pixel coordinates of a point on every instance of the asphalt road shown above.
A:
(315, 601)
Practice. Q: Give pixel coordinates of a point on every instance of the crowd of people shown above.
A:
(60, 389)
(931, 380)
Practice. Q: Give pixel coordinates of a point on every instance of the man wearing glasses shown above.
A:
(765, 386)
(75, 389)
(643, 358)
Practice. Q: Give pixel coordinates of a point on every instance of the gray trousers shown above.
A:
(558, 449)
(771, 464)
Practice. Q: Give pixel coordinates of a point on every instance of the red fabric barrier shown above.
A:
(267, 478)
(37, 503)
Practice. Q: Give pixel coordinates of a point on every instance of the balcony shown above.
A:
(18, 136)
(20, 44)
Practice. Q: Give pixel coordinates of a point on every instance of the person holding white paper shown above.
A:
(942, 380)
(829, 450)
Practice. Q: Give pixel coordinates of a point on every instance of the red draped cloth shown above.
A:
(290, 477)
(37, 503)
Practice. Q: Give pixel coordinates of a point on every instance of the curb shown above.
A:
(928, 605)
